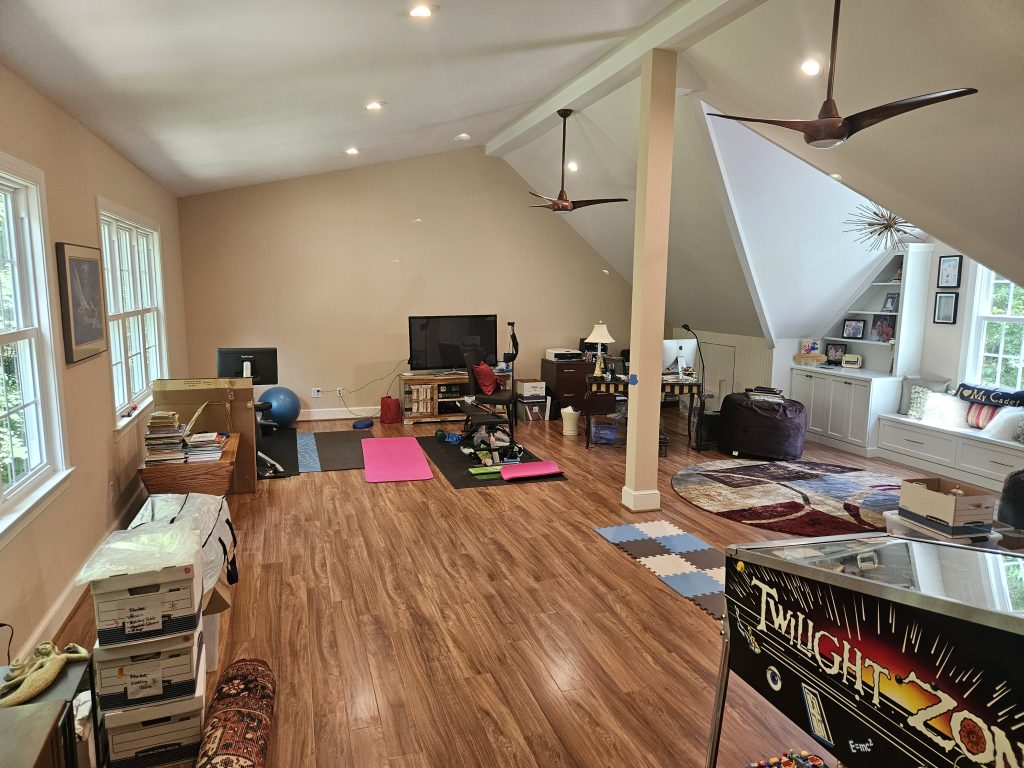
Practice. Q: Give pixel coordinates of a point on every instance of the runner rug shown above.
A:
(804, 498)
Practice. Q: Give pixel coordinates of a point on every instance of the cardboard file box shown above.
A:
(149, 672)
(142, 606)
(158, 735)
(528, 388)
(927, 502)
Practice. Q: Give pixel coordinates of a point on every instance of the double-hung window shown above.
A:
(31, 448)
(132, 266)
(999, 332)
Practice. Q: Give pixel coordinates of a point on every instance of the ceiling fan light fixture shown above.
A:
(825, 143)
(811, 67)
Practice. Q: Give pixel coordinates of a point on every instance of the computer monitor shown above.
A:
(590, 346)
(673, 349)
(259, 363)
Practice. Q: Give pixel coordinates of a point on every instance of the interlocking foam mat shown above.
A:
(683, 562)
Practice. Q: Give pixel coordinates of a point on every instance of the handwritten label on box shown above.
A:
(144, 680)
(143, 614)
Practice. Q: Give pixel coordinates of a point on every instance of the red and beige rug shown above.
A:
(805, 498)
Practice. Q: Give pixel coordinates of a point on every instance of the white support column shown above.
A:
(650, 269)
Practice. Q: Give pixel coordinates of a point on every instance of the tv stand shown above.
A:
(434, 396)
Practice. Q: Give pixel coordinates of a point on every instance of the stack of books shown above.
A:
(164, 439)
(204, 446)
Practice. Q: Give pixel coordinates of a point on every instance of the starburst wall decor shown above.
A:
(879, 228)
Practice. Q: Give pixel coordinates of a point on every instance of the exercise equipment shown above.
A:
(362, 424)
(284, 406)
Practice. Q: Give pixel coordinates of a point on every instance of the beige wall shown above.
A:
(308, 265)
(37, 565)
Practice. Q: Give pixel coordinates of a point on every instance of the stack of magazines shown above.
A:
(765, 395)
(204, 446)
(164, 439)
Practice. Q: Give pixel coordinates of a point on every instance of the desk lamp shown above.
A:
(599, 336)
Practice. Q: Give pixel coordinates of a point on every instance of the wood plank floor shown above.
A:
(415, 625)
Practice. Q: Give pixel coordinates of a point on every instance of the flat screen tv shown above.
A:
(440, 341)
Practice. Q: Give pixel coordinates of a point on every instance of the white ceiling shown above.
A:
(205, 96)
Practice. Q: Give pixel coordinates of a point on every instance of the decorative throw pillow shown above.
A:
(979, 415)
(1018, 433)
(485, 378)
(1004, 424)
(944, 410)
(974, 393)
(928, 381)
(918, 399)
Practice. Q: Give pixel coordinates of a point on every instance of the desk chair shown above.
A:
(502, 397)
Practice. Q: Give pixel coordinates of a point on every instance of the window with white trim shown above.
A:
(999, 332)
(131, 264)
(30, 444)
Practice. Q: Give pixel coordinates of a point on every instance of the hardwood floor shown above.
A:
(415, 625)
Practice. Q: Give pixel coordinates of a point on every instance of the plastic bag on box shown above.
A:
(141, 551)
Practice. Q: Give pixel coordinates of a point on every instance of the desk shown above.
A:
(213, 477)
(670, 385)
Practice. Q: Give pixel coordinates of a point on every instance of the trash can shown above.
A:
(570, 421)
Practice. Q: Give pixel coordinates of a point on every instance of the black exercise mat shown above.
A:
(280, 445)
(454, 465)
(340, 450)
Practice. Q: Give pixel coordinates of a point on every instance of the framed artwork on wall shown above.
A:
(950, 268)
(853, 329)
(82, 308)
(945, 307)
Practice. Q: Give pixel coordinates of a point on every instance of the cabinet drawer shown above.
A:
(932, 446)
(573, 373)
(988, 460)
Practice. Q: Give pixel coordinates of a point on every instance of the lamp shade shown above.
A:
(599, 335)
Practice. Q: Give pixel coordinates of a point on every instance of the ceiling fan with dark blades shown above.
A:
(830, 129)
(562, 203)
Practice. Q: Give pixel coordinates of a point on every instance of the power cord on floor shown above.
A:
(10, 640)
(396, 376)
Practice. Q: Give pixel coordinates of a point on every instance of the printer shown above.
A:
(561, 353)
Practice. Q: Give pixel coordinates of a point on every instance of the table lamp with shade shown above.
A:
(599, 336)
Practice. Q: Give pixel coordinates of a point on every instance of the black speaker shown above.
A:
(1011, 503)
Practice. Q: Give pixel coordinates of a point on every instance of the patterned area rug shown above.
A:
(237, 732)
(805, 498)
(681, 560)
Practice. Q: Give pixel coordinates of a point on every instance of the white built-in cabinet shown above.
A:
(843, 405)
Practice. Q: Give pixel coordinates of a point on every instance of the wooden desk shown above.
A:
(669, 386)
(213, 477)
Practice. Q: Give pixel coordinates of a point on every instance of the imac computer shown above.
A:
(257, 363)
(677, 354)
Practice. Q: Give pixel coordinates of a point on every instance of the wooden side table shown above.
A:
(213, 477)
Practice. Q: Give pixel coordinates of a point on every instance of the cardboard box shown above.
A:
(529, 388)
(227, 406)
(160, 734)
(141, 606)
(150, 672)
(928, 502)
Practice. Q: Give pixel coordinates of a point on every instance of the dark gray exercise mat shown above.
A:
(454, 465)
(340, 450)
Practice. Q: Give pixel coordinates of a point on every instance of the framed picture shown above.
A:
(834, 353)
(883, 328)
(853, 329)
(810, 346)
(950, 268)
(891, 303)
(82, 308)
(945, 307)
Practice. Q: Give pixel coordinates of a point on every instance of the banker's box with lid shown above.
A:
(149, 672)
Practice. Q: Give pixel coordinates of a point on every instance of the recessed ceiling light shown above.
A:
(572, 166)
(417, 220)
(606, 271)
(351, 151)
(836, 176)
(376, 106)
(396, 261)
(422, 11)
(811, 67)
(462, 137)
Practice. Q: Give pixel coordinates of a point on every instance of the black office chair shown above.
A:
(502, 397)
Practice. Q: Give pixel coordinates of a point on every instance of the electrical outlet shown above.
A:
(316, 392)
(340, 391)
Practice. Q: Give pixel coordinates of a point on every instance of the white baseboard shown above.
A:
(841, 445)
(324, 414)
(640, 501)
(69, 597)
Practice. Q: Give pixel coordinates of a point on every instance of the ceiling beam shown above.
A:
(682, 25)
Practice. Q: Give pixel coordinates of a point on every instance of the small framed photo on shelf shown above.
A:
(945, 307)
(810, 346)
(853, 329)
(883, 328)
(950, 268)
(834, 353)
(891, 303)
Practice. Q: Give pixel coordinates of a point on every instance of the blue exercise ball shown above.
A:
(284, 406)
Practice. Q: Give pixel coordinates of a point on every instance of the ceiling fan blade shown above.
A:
(549, 207)
(869, 117)
(795, 125)
(584, 203)
(542, 197)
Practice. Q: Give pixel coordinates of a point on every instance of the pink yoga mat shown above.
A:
(394, 459)
(530, 469)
